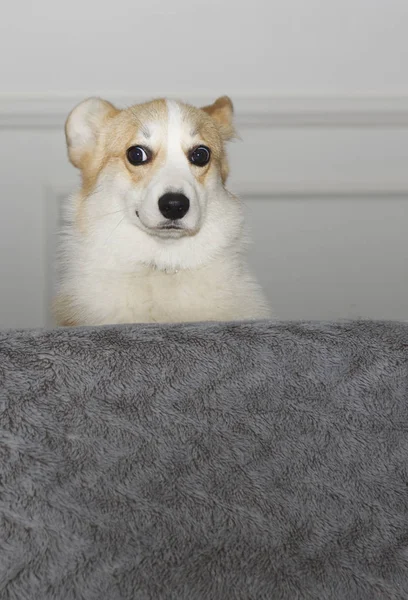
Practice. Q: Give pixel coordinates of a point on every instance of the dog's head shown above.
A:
(160, 166)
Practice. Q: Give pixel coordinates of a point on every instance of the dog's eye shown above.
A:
(200, 156)
(137, 155)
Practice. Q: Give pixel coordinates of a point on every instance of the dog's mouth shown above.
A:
(167, 229)
(170, 226)
(171, 230)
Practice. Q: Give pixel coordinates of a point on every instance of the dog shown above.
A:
(153, 234)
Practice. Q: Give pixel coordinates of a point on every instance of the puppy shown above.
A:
(153, 235)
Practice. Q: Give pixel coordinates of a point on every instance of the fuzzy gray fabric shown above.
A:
(205, 461)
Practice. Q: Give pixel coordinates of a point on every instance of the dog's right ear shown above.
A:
(83, 127)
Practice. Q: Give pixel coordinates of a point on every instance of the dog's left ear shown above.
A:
(222, 111)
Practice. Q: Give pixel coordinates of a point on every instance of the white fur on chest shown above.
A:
(149, 295)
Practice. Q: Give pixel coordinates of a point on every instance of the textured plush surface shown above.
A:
(219, 461)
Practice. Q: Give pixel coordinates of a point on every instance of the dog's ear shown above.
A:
(222, 111)
(83, 127)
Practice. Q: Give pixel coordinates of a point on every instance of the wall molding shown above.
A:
(315, 191)
(28, 111)
(330, 192)
(289, 191)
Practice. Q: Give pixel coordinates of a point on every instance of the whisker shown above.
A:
(114, 212)
(98, 188)
(96, 191)
(113, 230)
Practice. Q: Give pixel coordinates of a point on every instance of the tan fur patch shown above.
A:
(209, 131)
(134, 120)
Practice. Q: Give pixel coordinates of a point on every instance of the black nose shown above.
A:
(174, 206)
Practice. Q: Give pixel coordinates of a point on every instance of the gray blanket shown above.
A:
(205, 461)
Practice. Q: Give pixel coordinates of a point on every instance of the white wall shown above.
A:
(321, 91)
(261, 46)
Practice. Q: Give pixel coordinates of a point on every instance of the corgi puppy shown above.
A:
(153, 235)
